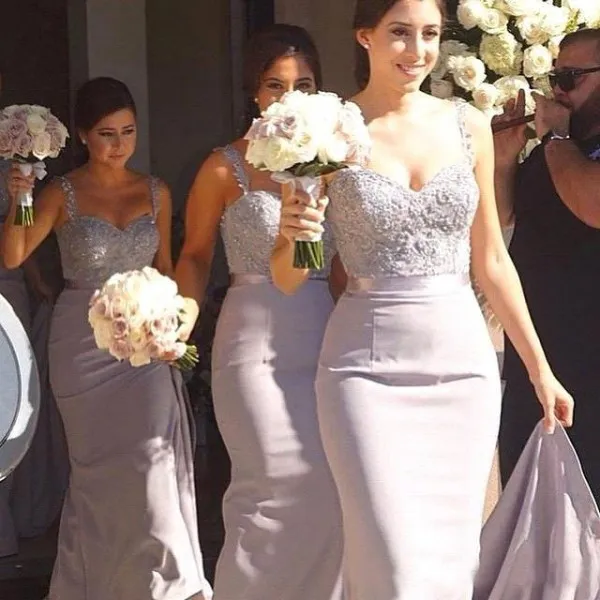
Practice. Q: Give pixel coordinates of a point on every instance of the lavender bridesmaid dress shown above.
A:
(283, 536)
(129, 526)
(408, 389)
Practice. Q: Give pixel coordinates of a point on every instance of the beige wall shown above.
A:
(116, 47)
(330, 22)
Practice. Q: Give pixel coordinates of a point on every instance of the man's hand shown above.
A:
(550, 116)
(508, 143)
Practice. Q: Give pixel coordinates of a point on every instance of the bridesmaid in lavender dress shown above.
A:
(281, 512)
(128, 529)
(408, 389)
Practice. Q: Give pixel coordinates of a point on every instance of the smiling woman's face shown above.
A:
(404, 47)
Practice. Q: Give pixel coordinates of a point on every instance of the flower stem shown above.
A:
(24, 216)
(189, 360)
(309, 255)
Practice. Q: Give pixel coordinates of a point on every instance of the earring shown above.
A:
(255, 100)
(366, 46)
(84, 142)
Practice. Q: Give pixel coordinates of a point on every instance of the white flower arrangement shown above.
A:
(303, 137)
(136, 316)
(503, 46)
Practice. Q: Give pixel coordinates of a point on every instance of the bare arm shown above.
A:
(163, 261)
(507, 147)
(205, 206)
(504, 186)
(500, 283)
(18, 242)
(576, 179)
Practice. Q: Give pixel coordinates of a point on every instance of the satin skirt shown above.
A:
(283, 538)
(129, 527)
(408, 395)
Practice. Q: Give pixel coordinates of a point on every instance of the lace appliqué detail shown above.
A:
(384, 229)
(92, 249)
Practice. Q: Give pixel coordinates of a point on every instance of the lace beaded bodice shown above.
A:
(250, 225)
(92, 249)
(385, 229)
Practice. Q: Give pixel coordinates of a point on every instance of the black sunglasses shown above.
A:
(566, 79)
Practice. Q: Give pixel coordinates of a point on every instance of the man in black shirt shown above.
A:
(553, 200)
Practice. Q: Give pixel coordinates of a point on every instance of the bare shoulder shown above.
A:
(477, 123)
(217, 168)
(54, 192)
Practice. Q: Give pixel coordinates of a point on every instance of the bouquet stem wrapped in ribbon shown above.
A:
(29, 133)
(300, 139)
(308, 250)
(24, 216)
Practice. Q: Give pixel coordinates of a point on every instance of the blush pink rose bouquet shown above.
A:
(30, 134)
(137, 316)
(300, 139)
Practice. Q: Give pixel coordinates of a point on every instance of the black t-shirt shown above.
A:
(558, 260)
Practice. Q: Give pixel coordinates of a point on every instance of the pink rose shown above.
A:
(120, 328)
(17, 128)
(120, 349)
(100, 305)
(23, 145)
(156, 350)
(158, 327)
(5, 140)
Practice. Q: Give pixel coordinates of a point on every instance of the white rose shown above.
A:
(470, 12)
(36, 124)
(42, 144)
(255, 154)
(442, 88)
(509, 88)
(103, 333)
(468, 71)
(554, 45)
(280, 154)
(39, 110)
(486, 96)
(518, 8)
(335, 149)
(554, 18)
(502, 53)
(140, 358)
(532, 29)
(449, 48)
(537, 61)
(493, 21)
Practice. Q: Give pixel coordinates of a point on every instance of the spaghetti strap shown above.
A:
(234, 156)
(465, 134)
(69, 192)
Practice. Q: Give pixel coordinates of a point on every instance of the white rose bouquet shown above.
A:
(300, 139)
(136, 316)
(30, 132)
(502, 46)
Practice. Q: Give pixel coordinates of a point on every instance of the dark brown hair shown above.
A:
(367, 15)
(582, 35)
(98, 98)
(269, 45)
